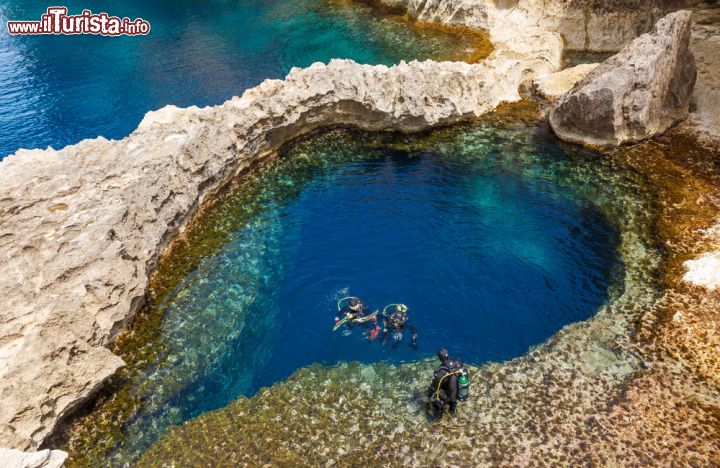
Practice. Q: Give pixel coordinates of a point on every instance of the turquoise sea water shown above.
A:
(57, 90)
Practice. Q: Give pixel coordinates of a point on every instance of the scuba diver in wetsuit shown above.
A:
(394, 325)
(450, 384)
(356, 312)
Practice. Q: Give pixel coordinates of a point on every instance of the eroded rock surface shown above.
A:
(703, 124)
(634, 95)
(43, 459)
(594, 25)
(704, 121)
(556, 84)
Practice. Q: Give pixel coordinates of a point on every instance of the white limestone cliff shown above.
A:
(585, 25)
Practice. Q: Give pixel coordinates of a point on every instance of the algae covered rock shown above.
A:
(634, 95)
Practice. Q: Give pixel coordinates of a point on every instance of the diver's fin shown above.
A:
(342, 322)
(348, 318)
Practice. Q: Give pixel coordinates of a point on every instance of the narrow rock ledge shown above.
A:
(555, 85)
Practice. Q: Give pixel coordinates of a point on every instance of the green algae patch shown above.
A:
(472, 45)
(681, 328)
(99, 427)
(309, 419)
(318, 397)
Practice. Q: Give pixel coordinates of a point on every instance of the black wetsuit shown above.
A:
(396, 323)
(444, 387)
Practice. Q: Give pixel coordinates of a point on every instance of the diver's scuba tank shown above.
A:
(463, 385)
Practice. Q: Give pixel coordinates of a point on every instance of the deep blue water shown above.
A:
(58, 90)
(487, 264)
(493, 245)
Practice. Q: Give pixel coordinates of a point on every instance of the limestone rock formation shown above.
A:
(704, 124)
(588, 25)
(599, 25)
(43, 459)
(634, 95)
(82, 228)
(704, 271)
(556, 84)
(704, 121)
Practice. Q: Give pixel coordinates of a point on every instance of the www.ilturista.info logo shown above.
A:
(57, 21)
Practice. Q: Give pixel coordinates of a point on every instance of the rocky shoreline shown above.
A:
(82, 228)
(634, 95)
(592, 26)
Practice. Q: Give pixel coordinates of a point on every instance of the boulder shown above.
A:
(554, 85)
(634, 95)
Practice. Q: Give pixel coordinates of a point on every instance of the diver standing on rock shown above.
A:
(450, 383)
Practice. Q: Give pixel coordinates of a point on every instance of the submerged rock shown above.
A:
(634, 95)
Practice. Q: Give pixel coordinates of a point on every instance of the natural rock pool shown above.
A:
(494, 235)
(556, 272)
